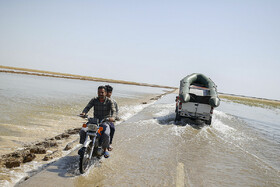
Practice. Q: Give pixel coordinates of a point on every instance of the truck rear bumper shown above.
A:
(194, 115)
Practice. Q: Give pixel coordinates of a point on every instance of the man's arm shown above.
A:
(88, 107)
(113, 111)
(117, 108)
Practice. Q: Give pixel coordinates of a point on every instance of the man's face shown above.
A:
(109, 94)
(101, 93)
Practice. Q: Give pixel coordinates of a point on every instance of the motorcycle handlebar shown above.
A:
(83, 116)
(86, 117)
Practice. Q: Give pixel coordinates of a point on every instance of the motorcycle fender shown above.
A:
(87, 141)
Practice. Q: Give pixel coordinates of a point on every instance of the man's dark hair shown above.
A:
(102, 87)
(109, 88)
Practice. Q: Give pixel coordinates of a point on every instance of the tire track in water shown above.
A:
(180, 179)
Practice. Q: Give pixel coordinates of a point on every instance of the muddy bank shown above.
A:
(30, 152)
(251, 101)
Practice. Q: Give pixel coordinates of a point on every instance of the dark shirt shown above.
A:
(101, 110)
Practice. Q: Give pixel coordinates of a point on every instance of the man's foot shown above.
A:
(106, 154)
(110, 148)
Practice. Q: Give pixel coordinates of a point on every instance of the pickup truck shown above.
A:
(197, 108)
(197, 98)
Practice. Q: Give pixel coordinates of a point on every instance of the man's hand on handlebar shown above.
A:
(83, 115)
(111, 119)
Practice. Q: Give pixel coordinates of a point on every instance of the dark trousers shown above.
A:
(103, 134)
(112, 131)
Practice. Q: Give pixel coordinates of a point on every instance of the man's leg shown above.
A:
(105, 136)
(112, 131)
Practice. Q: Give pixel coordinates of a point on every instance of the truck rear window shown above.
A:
(199, 99)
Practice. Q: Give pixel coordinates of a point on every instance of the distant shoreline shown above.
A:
(251, 101)
(8, 69)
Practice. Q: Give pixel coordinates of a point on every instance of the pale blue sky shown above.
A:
(235, 43)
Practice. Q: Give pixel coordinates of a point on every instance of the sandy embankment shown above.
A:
(251, 101)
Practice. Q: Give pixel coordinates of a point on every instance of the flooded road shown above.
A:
(240, 148)
(150, 150)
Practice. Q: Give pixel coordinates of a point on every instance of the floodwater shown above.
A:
(240, 148)
(33, 108)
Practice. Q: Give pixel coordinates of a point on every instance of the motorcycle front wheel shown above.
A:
(84, 161)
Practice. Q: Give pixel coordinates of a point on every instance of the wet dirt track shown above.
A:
(150, 150)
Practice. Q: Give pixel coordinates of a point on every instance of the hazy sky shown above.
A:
(236, 43)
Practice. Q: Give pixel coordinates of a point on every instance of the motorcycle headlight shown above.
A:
(92, 127)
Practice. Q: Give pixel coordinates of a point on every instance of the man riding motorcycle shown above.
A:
(103, 108)
(109, 90)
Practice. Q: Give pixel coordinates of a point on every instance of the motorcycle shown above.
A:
(91, 148)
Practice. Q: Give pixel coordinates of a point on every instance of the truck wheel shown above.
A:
(208, 122)
(178, 117)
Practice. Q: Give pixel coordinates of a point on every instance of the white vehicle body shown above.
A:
(195, 110)
(197, 107)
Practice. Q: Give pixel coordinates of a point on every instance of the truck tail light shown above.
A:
(180, 105)
(211, 111)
